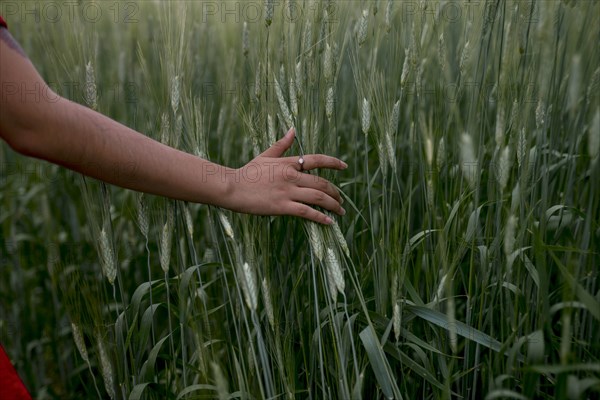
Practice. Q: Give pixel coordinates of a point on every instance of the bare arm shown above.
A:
(55, 129)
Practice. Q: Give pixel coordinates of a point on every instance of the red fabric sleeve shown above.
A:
(11, 386)
(3, 22)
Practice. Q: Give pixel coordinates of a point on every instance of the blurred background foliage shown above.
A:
(469, 257)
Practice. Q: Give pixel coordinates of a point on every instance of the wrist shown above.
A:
(218, 186)
(229, 189)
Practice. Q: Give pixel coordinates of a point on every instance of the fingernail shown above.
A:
(328, 221)
(344, 165)
(341, 200)
(290, 131)
(343, 212)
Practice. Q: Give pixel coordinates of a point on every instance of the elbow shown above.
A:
(23, 142)
(23, 128)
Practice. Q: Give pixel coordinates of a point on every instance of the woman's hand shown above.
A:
(275, 185)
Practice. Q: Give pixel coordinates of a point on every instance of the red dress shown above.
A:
(11, 386)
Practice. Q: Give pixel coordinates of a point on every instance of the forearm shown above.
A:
(83, 140)
(38, 123)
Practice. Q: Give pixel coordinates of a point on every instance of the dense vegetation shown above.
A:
(467, 265)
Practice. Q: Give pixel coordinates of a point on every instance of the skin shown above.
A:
(37, 122)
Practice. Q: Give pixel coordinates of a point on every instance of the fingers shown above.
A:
(306, 190)
(281, 146)
(304, 211)
(314, 161)
(318, 198)
(319, 184)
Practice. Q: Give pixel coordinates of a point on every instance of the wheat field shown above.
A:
(467, 265)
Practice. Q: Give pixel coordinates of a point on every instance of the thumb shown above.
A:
(281, 146)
